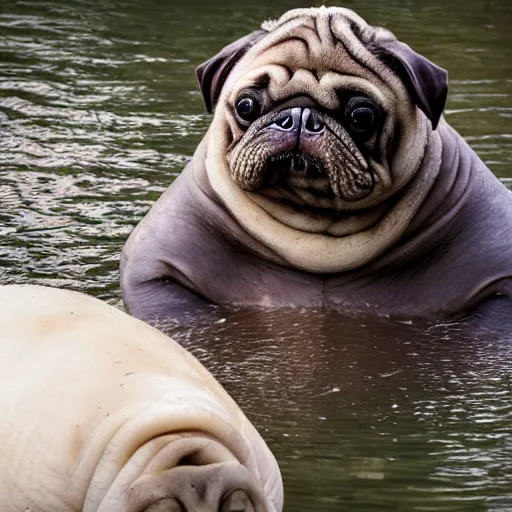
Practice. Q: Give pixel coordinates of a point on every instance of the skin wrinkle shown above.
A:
(165, 453)
(363, 88)
(367, 72)
(356, 167)
(243, 157)
(249, 160)
(230, 473)
(454, 184)
(417, 234)
(154, 388)
(351, 154)
(276, 231)
(362, 56)
(416, 246)
(249, 246)
(133, 429)
(259, 57)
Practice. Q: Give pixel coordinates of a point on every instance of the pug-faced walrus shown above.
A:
(328, 178)
(101, 412)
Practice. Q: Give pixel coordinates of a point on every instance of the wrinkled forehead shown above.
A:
(317, 52)
(315, 17)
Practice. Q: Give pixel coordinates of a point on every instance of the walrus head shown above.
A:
(320, 123)
(188, 472)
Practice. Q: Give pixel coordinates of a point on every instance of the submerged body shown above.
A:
(101, 412)
(328, 179)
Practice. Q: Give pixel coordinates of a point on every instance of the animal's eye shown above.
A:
(362, 116)
(248, 106)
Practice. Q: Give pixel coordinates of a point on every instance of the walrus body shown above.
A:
(101, 412)
(328, 179)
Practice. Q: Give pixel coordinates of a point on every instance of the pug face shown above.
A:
(313, 156)
(321, 119)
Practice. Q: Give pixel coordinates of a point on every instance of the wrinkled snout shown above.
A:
(306, 154)
(295, 133)
(218, 487)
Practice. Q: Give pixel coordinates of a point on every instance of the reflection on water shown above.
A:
(99, 111)
(366, 415)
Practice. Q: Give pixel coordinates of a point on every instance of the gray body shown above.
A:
(328, 179)
(454, 260)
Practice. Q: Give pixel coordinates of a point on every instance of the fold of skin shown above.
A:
(431, 239)
(101, 412)
(454, 255)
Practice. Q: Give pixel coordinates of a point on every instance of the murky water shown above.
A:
(99, 111)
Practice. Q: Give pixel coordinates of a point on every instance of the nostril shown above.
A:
(312, 121)
(287, 120)
(314, 125)
(237, 501)
(286, 123)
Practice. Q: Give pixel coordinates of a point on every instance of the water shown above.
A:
(99, 111)
(370, 416)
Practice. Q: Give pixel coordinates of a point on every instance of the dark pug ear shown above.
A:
(426, 83)
(212, 74)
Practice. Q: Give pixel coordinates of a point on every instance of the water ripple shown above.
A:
(100, 111)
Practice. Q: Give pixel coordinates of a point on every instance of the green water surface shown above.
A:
(99, 112)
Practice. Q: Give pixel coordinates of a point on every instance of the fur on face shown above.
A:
(323, 141)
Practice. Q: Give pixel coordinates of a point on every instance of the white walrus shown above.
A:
(101, 412)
